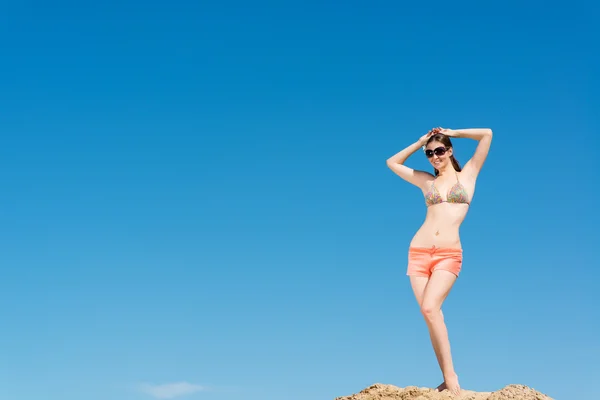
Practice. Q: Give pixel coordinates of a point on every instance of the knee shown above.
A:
(431, 312)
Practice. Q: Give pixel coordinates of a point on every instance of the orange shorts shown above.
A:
(422, 261)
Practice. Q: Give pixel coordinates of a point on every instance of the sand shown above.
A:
(390, 392)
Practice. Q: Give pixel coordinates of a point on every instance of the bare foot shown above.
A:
(451, 383)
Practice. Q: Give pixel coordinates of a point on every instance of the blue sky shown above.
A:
(196, 196)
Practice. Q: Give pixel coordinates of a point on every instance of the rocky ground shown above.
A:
(390, 392)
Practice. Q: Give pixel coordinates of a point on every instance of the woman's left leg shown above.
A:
(435, 293)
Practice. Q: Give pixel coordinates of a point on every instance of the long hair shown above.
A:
(445, 140)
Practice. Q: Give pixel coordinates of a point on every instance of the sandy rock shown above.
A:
(380, 391)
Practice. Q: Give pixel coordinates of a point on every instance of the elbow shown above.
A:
(485, 134)
(390, 162)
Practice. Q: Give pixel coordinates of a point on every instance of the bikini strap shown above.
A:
(433, 182)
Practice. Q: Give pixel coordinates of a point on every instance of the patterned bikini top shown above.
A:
(456, 194)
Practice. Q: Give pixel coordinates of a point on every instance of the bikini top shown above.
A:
(456, 194)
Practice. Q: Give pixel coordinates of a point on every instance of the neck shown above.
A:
(447, 169)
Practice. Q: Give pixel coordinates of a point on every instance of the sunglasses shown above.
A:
(438, 151)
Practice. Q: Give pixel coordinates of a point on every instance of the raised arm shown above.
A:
(483, 136)
(396, 164)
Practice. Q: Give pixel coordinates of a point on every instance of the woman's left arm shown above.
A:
(484, 136)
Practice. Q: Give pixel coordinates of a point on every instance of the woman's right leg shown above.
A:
(436, 291)
(418, 284)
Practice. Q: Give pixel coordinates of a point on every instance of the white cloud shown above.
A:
(170, 390)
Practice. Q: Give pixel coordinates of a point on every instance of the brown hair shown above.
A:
(445, 140)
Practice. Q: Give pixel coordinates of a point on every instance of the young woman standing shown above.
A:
(435, 252)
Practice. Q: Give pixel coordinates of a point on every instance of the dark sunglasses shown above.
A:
(438, 151)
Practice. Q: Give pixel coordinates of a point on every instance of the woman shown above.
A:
(435, 252)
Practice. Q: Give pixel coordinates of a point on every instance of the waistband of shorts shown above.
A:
(435, 249)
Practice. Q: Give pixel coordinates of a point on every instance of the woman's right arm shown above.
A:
(396, 164)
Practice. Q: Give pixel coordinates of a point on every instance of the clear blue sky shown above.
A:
(197, 194)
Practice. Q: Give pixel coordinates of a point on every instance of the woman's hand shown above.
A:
(426, 136)
(448, 132)
(435, 131)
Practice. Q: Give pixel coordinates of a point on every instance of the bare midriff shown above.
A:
(441, 227)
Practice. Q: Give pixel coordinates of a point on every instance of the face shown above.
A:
(438, 155)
